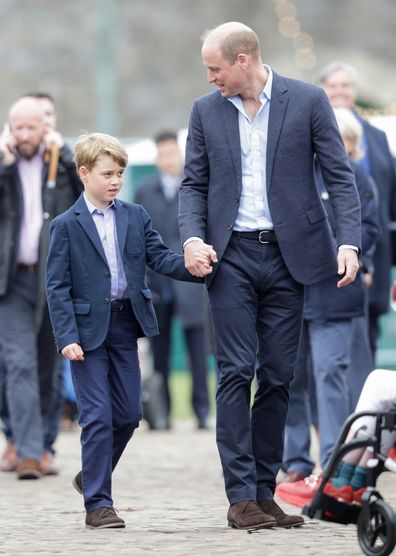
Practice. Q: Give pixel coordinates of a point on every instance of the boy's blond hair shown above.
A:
(94, 145)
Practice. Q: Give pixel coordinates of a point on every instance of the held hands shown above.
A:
(73, 352)
(198, 258)
(348, 265)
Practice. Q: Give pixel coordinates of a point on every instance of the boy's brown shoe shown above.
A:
(248, 515)
(77, 482)
(104, 518)
(28, 469)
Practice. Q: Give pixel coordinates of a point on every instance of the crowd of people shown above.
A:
(282, 206)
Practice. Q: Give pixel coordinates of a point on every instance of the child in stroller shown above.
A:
(346, 492)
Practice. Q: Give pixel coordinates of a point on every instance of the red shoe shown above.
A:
(300, 492)
(342, 494)
(357, 496)
(392, 453)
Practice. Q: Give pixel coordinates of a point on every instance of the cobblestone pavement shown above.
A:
(169, 489)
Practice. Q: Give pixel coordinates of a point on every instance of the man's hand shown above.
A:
(7, 146)
(73, 352)
(198, 257)
(53, 137)
(348, 265)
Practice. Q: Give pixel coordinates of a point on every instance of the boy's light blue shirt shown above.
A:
(105, 224)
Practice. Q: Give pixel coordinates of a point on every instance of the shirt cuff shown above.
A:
(190, 239)
(347, 247)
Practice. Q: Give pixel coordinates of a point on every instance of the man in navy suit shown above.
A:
(99, 305)
(250, 197)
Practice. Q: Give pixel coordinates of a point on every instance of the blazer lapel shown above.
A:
(121, 224)
(278, 106)
(86, 222)
(231, 125)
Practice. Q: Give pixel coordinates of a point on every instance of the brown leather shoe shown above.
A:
(104, 518)
(271, 508)
(77, 483)
(247, 515)
(9, 459)
(48, 465)
(28, 469)
(291, 477)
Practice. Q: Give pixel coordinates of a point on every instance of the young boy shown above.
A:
(99, 305)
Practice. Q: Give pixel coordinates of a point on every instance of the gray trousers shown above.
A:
(18, 338)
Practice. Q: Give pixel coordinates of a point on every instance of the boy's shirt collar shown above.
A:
(92, 208)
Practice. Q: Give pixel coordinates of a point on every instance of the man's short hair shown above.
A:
(324, 73)
(39, 95)
(240, 41)
(94, 145)
(164, 136)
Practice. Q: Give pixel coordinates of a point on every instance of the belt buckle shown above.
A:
(262, 235)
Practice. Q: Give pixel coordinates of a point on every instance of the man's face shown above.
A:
(229, 79)
(49, 113)
(169, 158)
(103, 181)
(340, 89)
(27, 126)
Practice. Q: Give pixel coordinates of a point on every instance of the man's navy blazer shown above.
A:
(301, 124)
(78, 275)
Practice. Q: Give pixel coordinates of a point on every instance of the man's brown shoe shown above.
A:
(28, 469)
(247, 515)
(9, 459)
(104, 518)
(291, 477)
(271, 508)
(48, 465)
(77, 482)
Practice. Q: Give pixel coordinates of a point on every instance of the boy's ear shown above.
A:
(83, 172)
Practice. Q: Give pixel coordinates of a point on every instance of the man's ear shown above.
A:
(243, 60)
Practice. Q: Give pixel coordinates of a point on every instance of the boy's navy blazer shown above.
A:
(78, 275)
(301, 124)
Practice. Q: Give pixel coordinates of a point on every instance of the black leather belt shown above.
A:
(27, 267)
(262, 236)
(120, 305)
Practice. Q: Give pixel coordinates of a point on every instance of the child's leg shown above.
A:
(124, 379)
(90, 379)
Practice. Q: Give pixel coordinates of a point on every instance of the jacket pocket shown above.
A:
(315, 215)
(81, 308)
(148, 294)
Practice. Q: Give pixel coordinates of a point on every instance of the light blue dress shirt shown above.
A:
(254, 213)
(105, 222)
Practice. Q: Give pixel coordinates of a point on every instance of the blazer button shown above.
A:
(229, 226)
(106, 300)
(107, 274)
(237, 199)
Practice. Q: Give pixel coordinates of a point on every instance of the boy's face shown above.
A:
(103, 181)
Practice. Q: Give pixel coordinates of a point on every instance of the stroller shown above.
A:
(375, 519)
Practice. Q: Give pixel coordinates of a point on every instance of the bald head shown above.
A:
(231, 39)
(26, 121)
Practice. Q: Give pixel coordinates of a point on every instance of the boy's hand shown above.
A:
(198, 257)
(73, 352)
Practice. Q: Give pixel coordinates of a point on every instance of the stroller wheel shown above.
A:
(376, 529)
